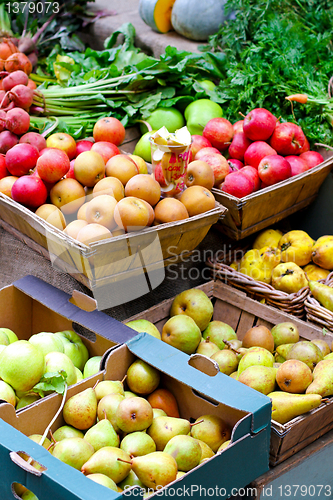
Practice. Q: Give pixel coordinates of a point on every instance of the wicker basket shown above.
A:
(290, 303)
(315, 312)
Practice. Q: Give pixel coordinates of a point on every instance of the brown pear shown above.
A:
(293, 376)
(259, 336)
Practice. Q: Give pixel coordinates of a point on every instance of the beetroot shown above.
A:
(21, 158)
(34, 139)
(17, 121)
(7, 141)
(15, 78)
(2, 120)
(21, 95)
(4, 99)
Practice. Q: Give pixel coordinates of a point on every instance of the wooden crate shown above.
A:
(270, 205)
(242, 313)
(317, 313)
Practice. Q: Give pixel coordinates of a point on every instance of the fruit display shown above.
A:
(31, 369)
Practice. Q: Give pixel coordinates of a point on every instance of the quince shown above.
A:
(322, 252)
(315, 273)
(259, 263)
(296, 246)
(288, 277)
(268, 238)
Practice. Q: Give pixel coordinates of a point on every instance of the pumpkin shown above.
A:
(199, 21)
(157, 14)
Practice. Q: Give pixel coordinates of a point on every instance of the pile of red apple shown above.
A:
(253, 153)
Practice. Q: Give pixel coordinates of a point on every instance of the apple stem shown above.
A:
(149, 127)
(196, 423)
(278, 119)
(323, 145)
(240, 113)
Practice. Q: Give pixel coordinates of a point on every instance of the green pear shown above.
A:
(307, 352)
(80, 411)
(329, 356)
(323, 293)
(130, 394)
(282, 351)
(105, 387)
(207, 348)
(171, 118)
(37, 437)
(4, 340)
(21, 365)
(234, 375)
(286, 406)
(285, 333)
(155, 469)
(111, 461)
(102, 434)
(29, 495)
(7, 393)
(278, 358)
(138, 444)
(224, 445)
(107, 407)
(256, 356)
(163, 429)
(56, 361)
(212, 430)
(322, 379)
(73, 451)
(194, 303)
(130, 480)
(142, 147)
(206, 451)
(198, 113)
(143, 325)
(142, 378)
(185, 450)
(323, 346)
(217, 331)
(227, 361)
(66, 431)
(182, 332)
(27, 400)
(158, 412)
(103, 480)
(10, 334)
(259, 377)
(134, 414)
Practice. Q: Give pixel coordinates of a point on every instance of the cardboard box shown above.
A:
(241, 313)
(246, 411)
(30, 305)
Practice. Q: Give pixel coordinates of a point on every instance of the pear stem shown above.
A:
(104, 411)
(52, 437)
(230, 346)
(125, 461)
(196, 423)
(123, 379)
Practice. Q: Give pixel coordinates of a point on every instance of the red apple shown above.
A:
(237, 185)
(297, 165)
(159, 176)
(3, 170)
(83, 145)
(219, 165)
(259, 124)
(53, 165)
(234, 165)
(238, 126)
(273, 169)
(312, 158)
(219, 131)
(198, 142)
(306, 146)
(252, 174)
(48, 185)
(34, 139)
(21, 158)
(287, 139)
(256, 152)
(30, 191)
(63, 141)
(105, 149)
(238, 146)
(109, 129)
(205, 151)
(70, 174)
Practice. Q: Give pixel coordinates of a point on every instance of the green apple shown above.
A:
(194, 303)
(7, 393)
(47, 342)
(26, 400)
(4, 340)
(10, 334)
(142, 147)
(59, 361)
(182, 332)
(21, 365)
(92, 366)
(171, 118)
(79, 375)
(198, 113)
(207, 84)
(74, 348)
(143, 325)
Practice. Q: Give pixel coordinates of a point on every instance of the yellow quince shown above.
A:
(258, 264)
(296, 246)
(322, 252)
(288, 277)
(315, 273)
(267, 238)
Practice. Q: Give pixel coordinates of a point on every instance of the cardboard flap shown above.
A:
(221, 387)
(60, 302)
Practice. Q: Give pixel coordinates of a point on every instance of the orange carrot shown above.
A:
(302, 98)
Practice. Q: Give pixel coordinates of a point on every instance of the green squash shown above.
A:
(157, 14)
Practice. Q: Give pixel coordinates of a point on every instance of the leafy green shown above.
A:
(274, 48)
(51, 382)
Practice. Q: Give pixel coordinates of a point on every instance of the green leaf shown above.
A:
(51, 382)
